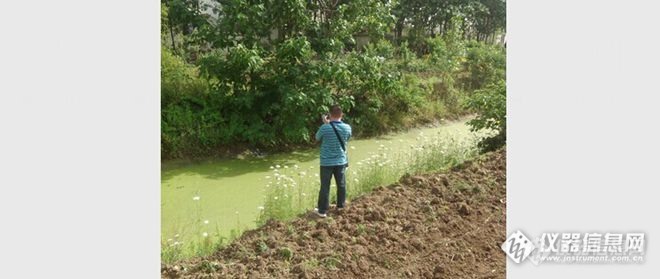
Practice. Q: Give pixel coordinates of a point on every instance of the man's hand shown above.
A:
(326, 120)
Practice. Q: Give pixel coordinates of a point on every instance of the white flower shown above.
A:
(302, 173)
(286, 167)
(275, 198)
(206, 222)
(277, 166)
(316, 174)
(304, 194)
(205, 234)
(260, 207)
(169, 240)
(196, 198)
(271, 167)
(356, 180)
(267, 176)
(295, 166)
(352, 147)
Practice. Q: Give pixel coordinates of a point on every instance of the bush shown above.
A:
(383, 100)
(382, 48)
(270, 97)
(485, 64)
(408, 60)
(266, 98)
(490, 105)
(183, 96)
(440, 56)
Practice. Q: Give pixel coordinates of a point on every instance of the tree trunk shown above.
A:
(399, 30)
(169, 20)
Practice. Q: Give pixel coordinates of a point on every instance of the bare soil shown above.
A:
(440, 225)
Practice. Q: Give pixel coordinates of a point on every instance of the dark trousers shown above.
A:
(324, 194)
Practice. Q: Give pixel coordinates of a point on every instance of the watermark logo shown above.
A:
(518, 247)
(575, 247)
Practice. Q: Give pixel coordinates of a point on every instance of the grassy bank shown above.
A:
(292, 191)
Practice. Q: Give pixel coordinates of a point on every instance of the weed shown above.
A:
(262, 247)
(312, 263)
(285, 253)
(208, 267)
(290, 230)
(331, 262)
(361, 229)
(462, 186)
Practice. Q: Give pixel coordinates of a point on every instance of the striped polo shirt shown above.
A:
(331, 152)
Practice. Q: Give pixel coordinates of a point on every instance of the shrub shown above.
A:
(440, 57)
(268, 97)
(382, 48)
(183, 95)
(383, 102)
(485, 64)
(490, 105)
(258, 97)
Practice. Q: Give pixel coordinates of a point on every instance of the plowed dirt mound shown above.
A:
(444, 225)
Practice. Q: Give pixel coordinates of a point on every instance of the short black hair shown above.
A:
(335, 111)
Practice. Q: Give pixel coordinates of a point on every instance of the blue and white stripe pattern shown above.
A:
(331, 152)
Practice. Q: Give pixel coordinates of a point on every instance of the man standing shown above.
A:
(333, 135)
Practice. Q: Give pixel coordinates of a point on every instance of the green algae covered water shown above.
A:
(215, 198)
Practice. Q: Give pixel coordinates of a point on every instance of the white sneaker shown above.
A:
(322, 215)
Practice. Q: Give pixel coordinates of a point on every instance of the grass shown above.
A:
(292, 191)
(285, 253)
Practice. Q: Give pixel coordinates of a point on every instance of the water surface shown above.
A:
(219, 195)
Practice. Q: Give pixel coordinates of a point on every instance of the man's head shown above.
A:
(335, 112)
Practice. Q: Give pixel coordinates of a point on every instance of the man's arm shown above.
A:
(319, 135)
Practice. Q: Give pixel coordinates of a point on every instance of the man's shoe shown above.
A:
(322, 215)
